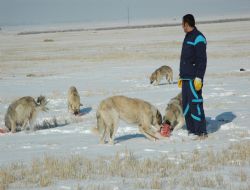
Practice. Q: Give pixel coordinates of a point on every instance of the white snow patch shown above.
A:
(163, 151)
(149, 150)
(181, 132)
(222, 94)
(218, 88)
(244, 96)
(126, 81)
(65, 187)
(26, 147)
(228, 126)
(198, 147)
(81, 148)
(233, 140)
(85, 131)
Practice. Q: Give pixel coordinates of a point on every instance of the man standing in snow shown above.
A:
(192, 70)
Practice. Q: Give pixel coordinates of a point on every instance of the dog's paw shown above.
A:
(111, 142)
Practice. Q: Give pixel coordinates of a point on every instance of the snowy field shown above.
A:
(119, 62)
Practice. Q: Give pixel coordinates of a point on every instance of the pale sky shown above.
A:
(42, 12)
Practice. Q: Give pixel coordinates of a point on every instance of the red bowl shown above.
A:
(165, 130)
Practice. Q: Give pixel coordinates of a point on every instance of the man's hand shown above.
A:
(179, 83)
(197, 84)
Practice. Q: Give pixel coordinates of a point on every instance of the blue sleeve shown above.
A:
(200, 59)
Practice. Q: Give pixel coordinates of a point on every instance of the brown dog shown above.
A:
(131, 110)
(158, 74)
(24, 111)
(173, 113)
(74, 101)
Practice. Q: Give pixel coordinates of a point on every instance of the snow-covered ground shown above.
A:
(119, 62)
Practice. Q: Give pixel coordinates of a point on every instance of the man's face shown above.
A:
(185, 27)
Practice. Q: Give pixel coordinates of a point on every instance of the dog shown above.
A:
(130, 110)
(174, 114)
(158, 74)
(73, 101)
(24, 111)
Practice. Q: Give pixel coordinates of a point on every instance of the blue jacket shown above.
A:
(193, 55)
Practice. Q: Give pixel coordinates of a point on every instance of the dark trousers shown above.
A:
(193, 111)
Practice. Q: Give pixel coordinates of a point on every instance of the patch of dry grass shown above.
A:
(99, 57)
(156, 183)
(230, 74)
(200, 169)
(39, 75)
(48, 40)
(241, 175)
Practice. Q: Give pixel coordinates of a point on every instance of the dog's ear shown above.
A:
(40, 99)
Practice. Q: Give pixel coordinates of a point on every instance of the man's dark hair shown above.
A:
(189, 19)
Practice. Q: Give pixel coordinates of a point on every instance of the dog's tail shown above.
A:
(42, 103)
(100, 128)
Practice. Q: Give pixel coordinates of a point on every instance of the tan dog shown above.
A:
(158, 74)
(173, 113)
(130, 110)
(73, 101)
(24, 111)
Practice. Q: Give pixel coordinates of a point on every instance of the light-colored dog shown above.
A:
(130, 110)
(24, 111)
(74, 101)
(158, 74)
(174, 114)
